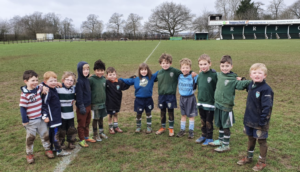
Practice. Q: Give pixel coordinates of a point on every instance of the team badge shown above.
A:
(169, 105)
(160, 105)
(209, 79)
(144, 82)
(118, 87)
(104, 84)
(171, 74)
(150, 107)
(141, 109)
(32, 98)
(257, 94)
(226, 82)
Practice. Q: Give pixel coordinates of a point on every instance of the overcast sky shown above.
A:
(78, 10)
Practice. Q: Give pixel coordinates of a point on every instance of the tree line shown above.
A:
(167, 18)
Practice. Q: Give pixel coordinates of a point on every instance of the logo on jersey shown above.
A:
(171, 74)
(144, 82)
(32, 98)
(257, 94)
(150, 107)
(118, 87)
(209, 79)
(104, 84)
(169, 105)
(140, 109)
(226, 82)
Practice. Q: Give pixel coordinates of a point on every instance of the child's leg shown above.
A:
(115, 119)
(95, 125)
(171, 118)
(209, 124)
(226, 139)
(263, 146)
(44, 134)
(182, 122)
(191, 123)
(251, 146)
(101, 130)
(63, 130)
(203, 122)
(138, 120)
(163, 118)
(30, 137)
(55, 132)
(110, 120)
(71, 132)
(221, 134)
(87, 122)
(81, 120)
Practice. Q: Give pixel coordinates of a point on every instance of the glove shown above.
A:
(133, 76)
(82, 109)
(243, 78)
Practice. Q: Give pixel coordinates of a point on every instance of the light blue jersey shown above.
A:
(186, 84)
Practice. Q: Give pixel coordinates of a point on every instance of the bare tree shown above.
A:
(98, 29)
(17, 27)
(4, 28)
(91, 24)
(34, 23)
(222, 6)
(116, 23)
(286, 14)
(233, 5)
(133, 23)
(170, 17)
(295, 9)
(66, 27)
(52, 23)
(200, 24)
(275, 7)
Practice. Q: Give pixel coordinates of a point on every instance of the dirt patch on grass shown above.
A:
(125, 148)
(9, 58)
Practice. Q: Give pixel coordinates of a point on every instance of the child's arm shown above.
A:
(45, 110)
(267, 104)
(241, 85)
(25, 119)
(79, 98)
(128, 81)
(124, 86)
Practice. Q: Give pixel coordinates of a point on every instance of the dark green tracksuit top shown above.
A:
(98, 86)
(167, 81)
(207, 82)
(225, 90)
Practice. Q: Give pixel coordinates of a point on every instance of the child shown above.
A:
(83, 103)
(66, 96)
(114, 88)
(224, 102)
(143, 95)
(206, 82)
(98, 85)
(51, 108)
(30, 108)
(188, 103)
(257, 115)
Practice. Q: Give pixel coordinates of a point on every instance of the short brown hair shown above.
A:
(166, 57)
(261, 66)
(185, 61)
(144, 66)
(227, 59)
(48, 75)
(29, 74)
(86, 66)
(67, 74)
(204, 57)
(110, 70)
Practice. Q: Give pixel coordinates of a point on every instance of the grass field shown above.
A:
(141, 152)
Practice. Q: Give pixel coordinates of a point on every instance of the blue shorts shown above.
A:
(167, 101)
(112, 112)
(259, 134)
(141, 104)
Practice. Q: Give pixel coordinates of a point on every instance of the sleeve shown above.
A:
(24, 115)
(156, 76)
(195, 82)
(23, 101)
(45, 99)
(79, 93)
(124, 86)
(177, 72)
(91, 83)
(129, 81)
(266, 104)
(241, 85)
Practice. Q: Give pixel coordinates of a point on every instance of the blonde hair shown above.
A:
(185, 61)
(48, 75)
(204, 57)
(260, 66)
(85, 66)
(67, 74)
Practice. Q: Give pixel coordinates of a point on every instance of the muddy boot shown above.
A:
(30, 158)
(71, 145)
(63, 146)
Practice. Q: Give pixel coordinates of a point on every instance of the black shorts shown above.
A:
(141, 104)
(112, 112)
(167, 101)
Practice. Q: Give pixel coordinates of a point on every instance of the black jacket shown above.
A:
(259, 106)
(83, 89)
(114, 94)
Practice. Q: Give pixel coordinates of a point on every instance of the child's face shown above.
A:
(144, 72)
(204, 65)
(257, 75)
(165, 64)
(32, 83)
(226, 67)
(51, 82)
(69, 81)
(112, 76)
(185, 69)
(85, 71)
(99, 72)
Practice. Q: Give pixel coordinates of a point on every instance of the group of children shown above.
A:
(47, 104)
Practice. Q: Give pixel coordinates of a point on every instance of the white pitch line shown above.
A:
(62, 165)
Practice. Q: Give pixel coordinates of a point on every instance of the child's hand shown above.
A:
(239, 78)
(133, 76)
(82, 109)
(46, 120)
(24, 124)
(59, 85)
(194, 74)
(45, 90)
